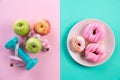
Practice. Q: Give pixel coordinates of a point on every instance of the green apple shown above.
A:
(21, 27)
(33, 45)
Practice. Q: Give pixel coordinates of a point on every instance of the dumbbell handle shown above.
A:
(23, 55)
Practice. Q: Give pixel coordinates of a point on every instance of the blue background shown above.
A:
(72, 11)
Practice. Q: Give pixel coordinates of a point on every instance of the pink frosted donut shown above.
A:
(94, 32)
(78, 44)
(95, 52)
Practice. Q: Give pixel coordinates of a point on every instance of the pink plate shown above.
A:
(108, 41)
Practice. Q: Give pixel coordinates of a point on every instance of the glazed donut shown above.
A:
(94, 32)
(95, 52)
(78, 44)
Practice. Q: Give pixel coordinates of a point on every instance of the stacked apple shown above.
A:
(33, 44)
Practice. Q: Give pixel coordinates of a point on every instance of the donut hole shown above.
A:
(79, 44)
(94, 31)
(95, 52)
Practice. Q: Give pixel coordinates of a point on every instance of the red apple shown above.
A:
(42, 27)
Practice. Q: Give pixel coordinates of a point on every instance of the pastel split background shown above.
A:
(57, 64)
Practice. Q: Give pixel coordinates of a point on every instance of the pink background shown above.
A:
(48, 67)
